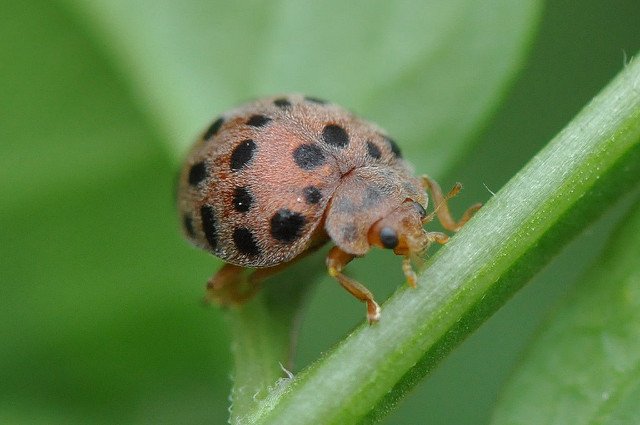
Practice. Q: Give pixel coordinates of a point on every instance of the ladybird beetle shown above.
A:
(275, 179)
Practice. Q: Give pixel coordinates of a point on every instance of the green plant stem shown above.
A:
(592, 162)
(258, 349)
(264, 336)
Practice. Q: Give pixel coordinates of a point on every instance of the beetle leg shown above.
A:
(227, 286)
(415, 255)
(409, 273)
(441, 207)
(336, 260)
(438, 237)
(234, 285)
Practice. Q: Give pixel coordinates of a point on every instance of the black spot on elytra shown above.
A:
(286, 225)
(258, 121)
(188, 225)
(213, 129)
(315, 100)
(308, 156)
(312, 195)
(197, 173)
(242, 199)
(394, 146)
(209, 225)
(373, 150)
(242, 154)
(282, 103)
(245, 241)
(335, 135)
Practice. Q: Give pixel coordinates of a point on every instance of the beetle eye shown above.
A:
(388, 237)
(420, 209)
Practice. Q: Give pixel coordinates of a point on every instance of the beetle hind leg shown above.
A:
(232, 285)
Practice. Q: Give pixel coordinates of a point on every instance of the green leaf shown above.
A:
(100, 313)
(584, 368)
(428, 71)
(592, 162)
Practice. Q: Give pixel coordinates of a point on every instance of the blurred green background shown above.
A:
(100, 313)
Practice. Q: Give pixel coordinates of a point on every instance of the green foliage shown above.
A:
(584, 368)
(100, 317)
(191, 60)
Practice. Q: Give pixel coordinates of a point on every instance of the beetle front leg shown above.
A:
(442, 208)
(415, 254)
(336, 260)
